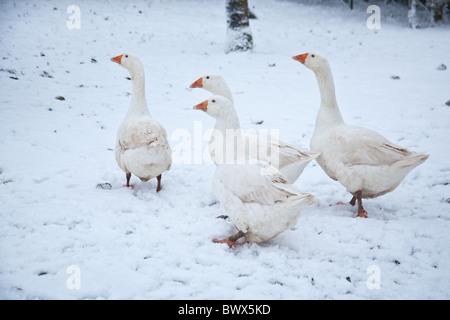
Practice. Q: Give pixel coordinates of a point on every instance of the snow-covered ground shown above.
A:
(63, 238)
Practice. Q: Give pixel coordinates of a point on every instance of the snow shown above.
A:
(57, 228)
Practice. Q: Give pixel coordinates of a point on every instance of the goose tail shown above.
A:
(302, 199)
(411, 161)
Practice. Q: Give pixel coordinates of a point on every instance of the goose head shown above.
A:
(216, 106)
(214, 84)
(129, 61)
(208, 82)
(312, 60)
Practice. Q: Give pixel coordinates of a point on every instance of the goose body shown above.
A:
(362, 160)
(261, 203)
(142, 148)
(261, 206)
(291, 160)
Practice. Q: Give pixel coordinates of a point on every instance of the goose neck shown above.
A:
(326, 86)
(227, 140)
(224, 91)
(138, 105)
(229, 122)
(329, 112)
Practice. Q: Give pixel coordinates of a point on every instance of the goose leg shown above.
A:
(353, 201)
(158, 188)
(128, 181)
(231, 240)
(361, 212)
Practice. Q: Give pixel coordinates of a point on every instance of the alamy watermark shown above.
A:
(74, 20)
(374, 279)
(229, 146)
(74, 279)
(374, 21)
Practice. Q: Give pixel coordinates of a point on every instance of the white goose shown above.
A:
(290, 159)
(362, 160)
(142, 148)
(261, 203)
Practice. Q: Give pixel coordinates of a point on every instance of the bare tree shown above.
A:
(437, 9)
(239, 35)
(423, 13)
(412, 16)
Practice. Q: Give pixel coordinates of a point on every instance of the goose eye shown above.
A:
(126, 56)
(207, 77)
(213, 100)
(312, 55)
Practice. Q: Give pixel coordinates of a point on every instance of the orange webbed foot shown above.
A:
(362, 214)
(229, 242)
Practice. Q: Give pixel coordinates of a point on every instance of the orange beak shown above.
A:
(202, 106)
(301, 57)
(117, 59)
(197, 84)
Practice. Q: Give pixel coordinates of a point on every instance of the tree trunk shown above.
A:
(412, 17)
(239, 35)
(437, 8)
